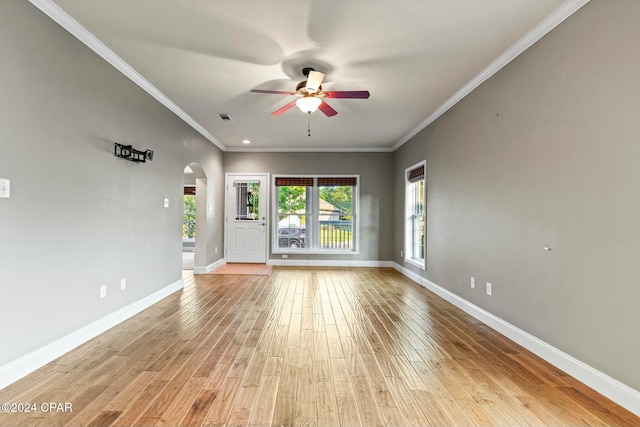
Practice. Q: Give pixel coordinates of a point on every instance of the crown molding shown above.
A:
(52, 10)
(564, 11)
(56, 13)
(310, 149)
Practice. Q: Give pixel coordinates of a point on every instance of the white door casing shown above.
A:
(246, 218)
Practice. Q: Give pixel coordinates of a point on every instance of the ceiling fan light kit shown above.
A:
(308, 104)
(312, 95)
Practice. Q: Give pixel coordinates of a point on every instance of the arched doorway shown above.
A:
(194, 237)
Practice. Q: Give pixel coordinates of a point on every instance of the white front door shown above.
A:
(246, 218)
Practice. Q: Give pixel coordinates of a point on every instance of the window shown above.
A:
(293, 201)
(415, 212)
(189, 213)
(316, 213)
(247, 200)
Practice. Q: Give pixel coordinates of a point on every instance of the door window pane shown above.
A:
(247, 200)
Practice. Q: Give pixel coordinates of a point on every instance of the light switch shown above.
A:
(5, 188)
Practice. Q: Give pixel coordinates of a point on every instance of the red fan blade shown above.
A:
(327, 110)
(283, 109)
(360, 94)
(277, 92)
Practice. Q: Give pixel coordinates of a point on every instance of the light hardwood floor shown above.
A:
(305, 347)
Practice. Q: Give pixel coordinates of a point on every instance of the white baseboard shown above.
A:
(210, 267)
(328, 263)
(620, 393)
(302, 263)
(28, 363)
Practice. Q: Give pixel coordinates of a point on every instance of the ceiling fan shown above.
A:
(312, 96)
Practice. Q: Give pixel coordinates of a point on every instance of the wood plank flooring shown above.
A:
(305, 347)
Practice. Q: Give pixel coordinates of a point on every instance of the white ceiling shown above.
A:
(202, 57)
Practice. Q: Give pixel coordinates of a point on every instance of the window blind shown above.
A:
(416, 174)
(337, 181)
(294, 181)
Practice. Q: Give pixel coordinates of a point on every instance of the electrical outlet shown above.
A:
(123, 283)
(166, 203)
(489, 289)
(285, 256)
(103, 291)
(401, 254)
(473, 282)
(216, 250)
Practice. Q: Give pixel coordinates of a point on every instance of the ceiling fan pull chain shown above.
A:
(309, 124)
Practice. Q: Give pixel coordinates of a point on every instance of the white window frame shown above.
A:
(312, 217)
(409, 217)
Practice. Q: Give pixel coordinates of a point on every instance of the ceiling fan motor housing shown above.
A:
(303, 85)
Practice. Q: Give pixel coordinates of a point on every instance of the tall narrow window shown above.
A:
(335, 212)
(189, 213)
(415, 209)
(292, 194)
(317, 213)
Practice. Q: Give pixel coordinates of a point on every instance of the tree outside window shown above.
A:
(415, 215)
(189, 217)
(316, 212)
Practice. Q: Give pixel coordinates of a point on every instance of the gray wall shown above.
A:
(207, 162)
(376, 192)
(546, 153)
(78, 217)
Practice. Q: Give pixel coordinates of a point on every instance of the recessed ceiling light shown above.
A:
(246, 141)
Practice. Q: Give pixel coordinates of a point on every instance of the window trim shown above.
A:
(408, 216)
(314, 215)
